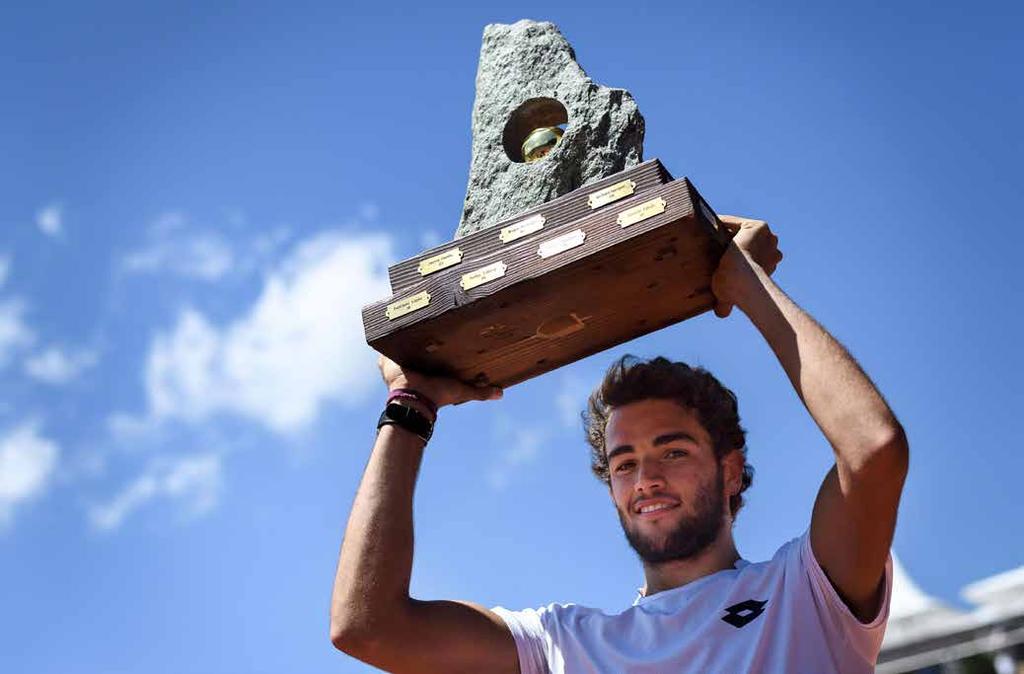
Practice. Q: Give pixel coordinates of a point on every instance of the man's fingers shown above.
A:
(487, 393)
(722, 309)
(479, 393)
(738, 221)
(731, 223)
(732, 226)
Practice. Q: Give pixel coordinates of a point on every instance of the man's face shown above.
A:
(666, 483)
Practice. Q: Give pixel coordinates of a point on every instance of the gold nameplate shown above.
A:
(408, 305)
(560, 244)
(648, 209)
(483, 275)
(611, 193)
(530, 225)
(439, 262)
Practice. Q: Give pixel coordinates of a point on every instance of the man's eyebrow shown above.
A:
(621, 449)
(663, 439)
(672, 437)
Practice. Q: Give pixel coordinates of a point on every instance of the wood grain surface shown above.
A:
(620, 283)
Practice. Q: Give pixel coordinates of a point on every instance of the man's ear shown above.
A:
(732, 471)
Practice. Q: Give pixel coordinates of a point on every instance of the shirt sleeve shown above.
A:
(532, 641)
(864, 638)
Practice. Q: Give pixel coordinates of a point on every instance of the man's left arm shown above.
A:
(855, 513)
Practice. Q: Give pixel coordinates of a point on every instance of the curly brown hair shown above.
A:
(630, 379)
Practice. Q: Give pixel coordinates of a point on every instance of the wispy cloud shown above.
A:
(429, 238)
(14, 332)
(298, 346)
(571, 400)
(56, 366)
(194, 483)
(369, 211)
(521, 443)
(178, 247)
(50, 221)
(199, 255)
(27, 462)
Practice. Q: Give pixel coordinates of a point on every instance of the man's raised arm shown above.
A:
(855, 513)
(373, 618)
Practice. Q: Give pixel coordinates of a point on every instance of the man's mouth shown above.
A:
(651, 508)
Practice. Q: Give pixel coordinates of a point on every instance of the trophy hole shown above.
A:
(535, 113)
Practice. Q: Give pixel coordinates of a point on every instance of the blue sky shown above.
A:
(195, 201)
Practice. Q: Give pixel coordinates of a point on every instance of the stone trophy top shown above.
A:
(527, 80)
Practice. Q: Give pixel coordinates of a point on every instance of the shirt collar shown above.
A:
(740, 563)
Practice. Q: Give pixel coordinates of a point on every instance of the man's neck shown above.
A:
(718, 556)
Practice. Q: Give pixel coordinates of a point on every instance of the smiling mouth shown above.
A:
(656, 510)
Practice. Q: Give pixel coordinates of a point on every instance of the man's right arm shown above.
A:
(373, 618)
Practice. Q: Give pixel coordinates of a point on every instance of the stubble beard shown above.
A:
(691, 535)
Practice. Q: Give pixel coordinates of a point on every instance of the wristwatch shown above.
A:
(408, 418)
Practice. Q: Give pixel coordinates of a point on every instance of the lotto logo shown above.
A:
(739, 615)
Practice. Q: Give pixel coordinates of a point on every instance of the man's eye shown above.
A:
(625, 465)
(676, 452)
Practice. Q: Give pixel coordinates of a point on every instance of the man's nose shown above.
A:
(648, 476)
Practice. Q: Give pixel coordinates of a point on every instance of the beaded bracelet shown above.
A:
(411, 394)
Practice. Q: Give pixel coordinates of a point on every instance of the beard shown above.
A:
(691, 535)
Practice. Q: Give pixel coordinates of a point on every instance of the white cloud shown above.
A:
(129, 427)
(522, 443)
(299, 345)
(176, 247)
(204, 256)
(193, 482)
(14, 333)
(27, 461)
(429, 238)
(267, 246)
(50, 221)
(55, 366)
(571, 400)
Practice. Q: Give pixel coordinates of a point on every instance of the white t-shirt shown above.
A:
(779, 616)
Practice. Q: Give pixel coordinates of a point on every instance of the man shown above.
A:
(666, 439)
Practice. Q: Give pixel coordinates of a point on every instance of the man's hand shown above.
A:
(753, 244)
(443, 391)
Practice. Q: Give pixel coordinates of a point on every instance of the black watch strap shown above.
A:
(408, 418)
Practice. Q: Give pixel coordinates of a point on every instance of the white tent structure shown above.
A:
(926, 635)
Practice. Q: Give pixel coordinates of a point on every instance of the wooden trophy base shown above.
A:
(584, 272)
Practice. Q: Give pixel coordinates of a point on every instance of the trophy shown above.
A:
(569, 243)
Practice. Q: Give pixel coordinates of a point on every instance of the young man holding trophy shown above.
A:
(666, 440)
